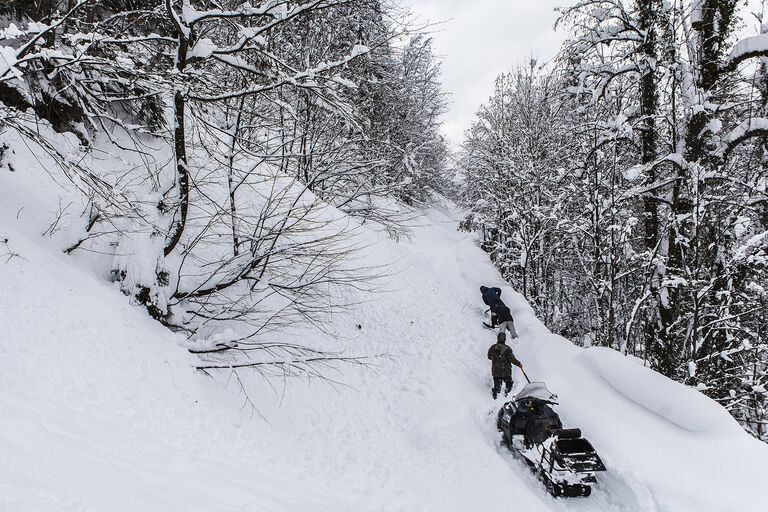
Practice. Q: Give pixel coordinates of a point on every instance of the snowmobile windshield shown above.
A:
(536, 390)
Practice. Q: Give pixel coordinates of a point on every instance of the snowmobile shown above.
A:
(563, 460)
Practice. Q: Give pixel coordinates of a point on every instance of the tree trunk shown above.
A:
(231, 177)
(179, 142)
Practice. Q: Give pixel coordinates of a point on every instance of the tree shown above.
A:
(660, 239)
(241, 141)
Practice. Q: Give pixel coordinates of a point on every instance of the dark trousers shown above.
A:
(507, 380)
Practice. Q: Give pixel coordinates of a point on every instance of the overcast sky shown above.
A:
(482, 38)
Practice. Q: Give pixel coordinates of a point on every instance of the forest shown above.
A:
(623, 189)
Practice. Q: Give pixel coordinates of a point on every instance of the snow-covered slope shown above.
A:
(100, 408)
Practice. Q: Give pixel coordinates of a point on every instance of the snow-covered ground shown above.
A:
(101, 409)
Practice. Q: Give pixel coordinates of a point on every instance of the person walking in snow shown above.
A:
(502, 316)
(502, 358)
(491, 298)
(490, 295)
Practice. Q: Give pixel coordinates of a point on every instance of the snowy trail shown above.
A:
(431, 401)
(103, 411)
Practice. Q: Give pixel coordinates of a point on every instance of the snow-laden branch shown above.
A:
(251, 35)
(190, 15)
(747, 48)
(753, 127)
(675, 159)
(302, 78)
(9, 57)
(150, 38)
(302, 365)
(607, 76)
(277, 9)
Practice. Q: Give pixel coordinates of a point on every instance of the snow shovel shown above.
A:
(524, 375)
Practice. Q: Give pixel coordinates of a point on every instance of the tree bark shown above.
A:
(179, 137)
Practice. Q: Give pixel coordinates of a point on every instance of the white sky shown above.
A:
(482, 38)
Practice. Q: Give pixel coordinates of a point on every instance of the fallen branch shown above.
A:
(302, 364)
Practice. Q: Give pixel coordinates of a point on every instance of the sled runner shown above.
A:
(563, 460)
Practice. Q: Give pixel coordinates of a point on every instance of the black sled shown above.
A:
(563, 460)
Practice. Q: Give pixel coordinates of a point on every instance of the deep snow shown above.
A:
(101, 409)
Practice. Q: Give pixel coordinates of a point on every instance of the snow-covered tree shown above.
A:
(241, 130)
(661, 237)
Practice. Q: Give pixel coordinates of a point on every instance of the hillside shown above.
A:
(241, 257)
(102, 408)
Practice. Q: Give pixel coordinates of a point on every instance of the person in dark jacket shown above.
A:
(491, 296)
(502, 316)
(502, 358)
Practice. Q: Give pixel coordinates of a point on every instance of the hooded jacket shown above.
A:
(491, 296)
(502, 358)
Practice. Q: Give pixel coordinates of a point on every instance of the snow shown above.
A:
(680, 406)
(189, 14)
(344, 82)
(634, 172)
(696, 15)
(203, 49)
(715, 125)
(11, 32)
(8, 61)
(101, 408)
(753, 242)
(37, 27)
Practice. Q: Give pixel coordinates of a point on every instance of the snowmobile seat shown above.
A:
(577, 455)
(574, 445)
(568, 433)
